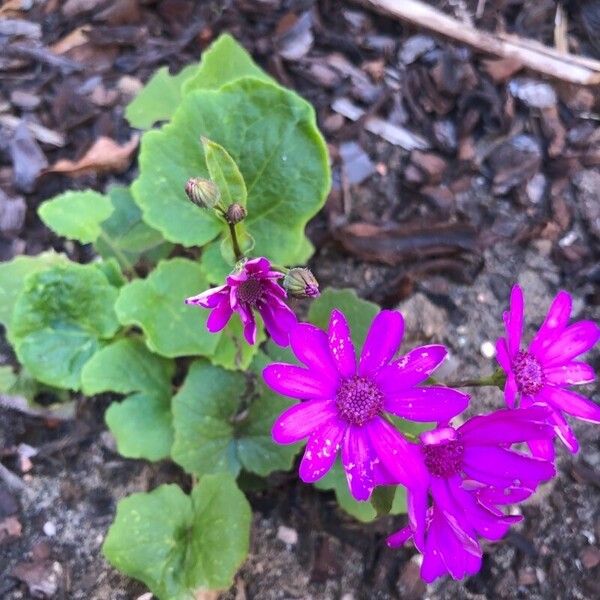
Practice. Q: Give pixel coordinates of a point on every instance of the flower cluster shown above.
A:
(459, 477)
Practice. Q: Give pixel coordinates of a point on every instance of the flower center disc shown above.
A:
(528, 372)
(359, 400)
(250, 291)
(444, 459)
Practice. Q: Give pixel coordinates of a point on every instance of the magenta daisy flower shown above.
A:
(253, 286)
(543, 372)
(344, 403)
(468, 472)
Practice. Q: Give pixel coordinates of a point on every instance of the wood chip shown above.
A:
(399, 136)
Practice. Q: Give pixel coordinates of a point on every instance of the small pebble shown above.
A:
(488, 349)
(49, 529)
(287, 535)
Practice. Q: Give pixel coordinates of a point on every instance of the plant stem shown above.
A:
(234, 242)
(491, 380)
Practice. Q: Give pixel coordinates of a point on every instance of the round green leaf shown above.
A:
(12, 279)
(221, 427)
(272, 136)
(127, 366)
(76, 215)
(156, 304)
(142, 425)
(177, 544)
(223, 61)
(59, 320)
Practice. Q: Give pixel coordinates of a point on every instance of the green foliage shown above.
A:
(124, 235)
(272, 136)
(225, 173)
(12, 279)
(224, 61)
(59, 321)
(141, 423)
(76, 215)
(359, 312)
(179, 545)
(159, 98)
(363, 511)
(223, 424)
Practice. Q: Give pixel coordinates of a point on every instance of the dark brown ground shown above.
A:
(507, 191)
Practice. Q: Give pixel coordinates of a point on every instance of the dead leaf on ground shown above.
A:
(10, 528)
(75, 38)
(105, 156)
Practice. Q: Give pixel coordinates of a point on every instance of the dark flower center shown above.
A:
(250, 291)
(444, 459)
(528, 372)
(359, 400)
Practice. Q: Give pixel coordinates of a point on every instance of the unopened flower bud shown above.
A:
(299, 282)
(202, 192)
(236, 213)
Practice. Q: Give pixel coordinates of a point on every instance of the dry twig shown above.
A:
(531, 54)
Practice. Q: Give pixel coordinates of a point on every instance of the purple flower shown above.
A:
(344, 403)
(252, 286)
(543, 372)
(468, 472)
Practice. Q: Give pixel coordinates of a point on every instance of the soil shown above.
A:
(461, 237)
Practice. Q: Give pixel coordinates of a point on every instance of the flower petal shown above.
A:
(302, 419)
(573, 341)
(219, 316)
(503, 468)
(543, 449)
(296, 382)
(311, 346)
(556, 320)
(416, 507)
(510, 390)
(321, 450)
(209, 298)
(514, 322)
(382, 342)
(427, 404)
(249, 323)
(570, 402)
(571, 373)
(507, 427)
(401, 459)
(340, 344)
(502, 354)
(399, 538)
(278, 317)
(359, 459)
(410, 369)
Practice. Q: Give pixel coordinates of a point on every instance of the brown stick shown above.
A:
(531, 54)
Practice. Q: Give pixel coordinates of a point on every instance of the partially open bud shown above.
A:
(202, 192)
(236, 213)
(299, 282)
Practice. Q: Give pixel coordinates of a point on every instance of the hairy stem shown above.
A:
(234, 242)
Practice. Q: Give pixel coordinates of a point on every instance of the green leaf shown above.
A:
(60, 319)
(124, 235)
(127, 366)
(222, 62)
(112, 271)
(225, 173)
(159, 98)
(272, 136)
(76, 215)
(222, 426)
(359, 312)
(363, 511)
(213, 264)
(156, 304)
(382, 499)
(142, 426)
(141, 423)
(233, 351)
(12, 279)
(177, 544)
